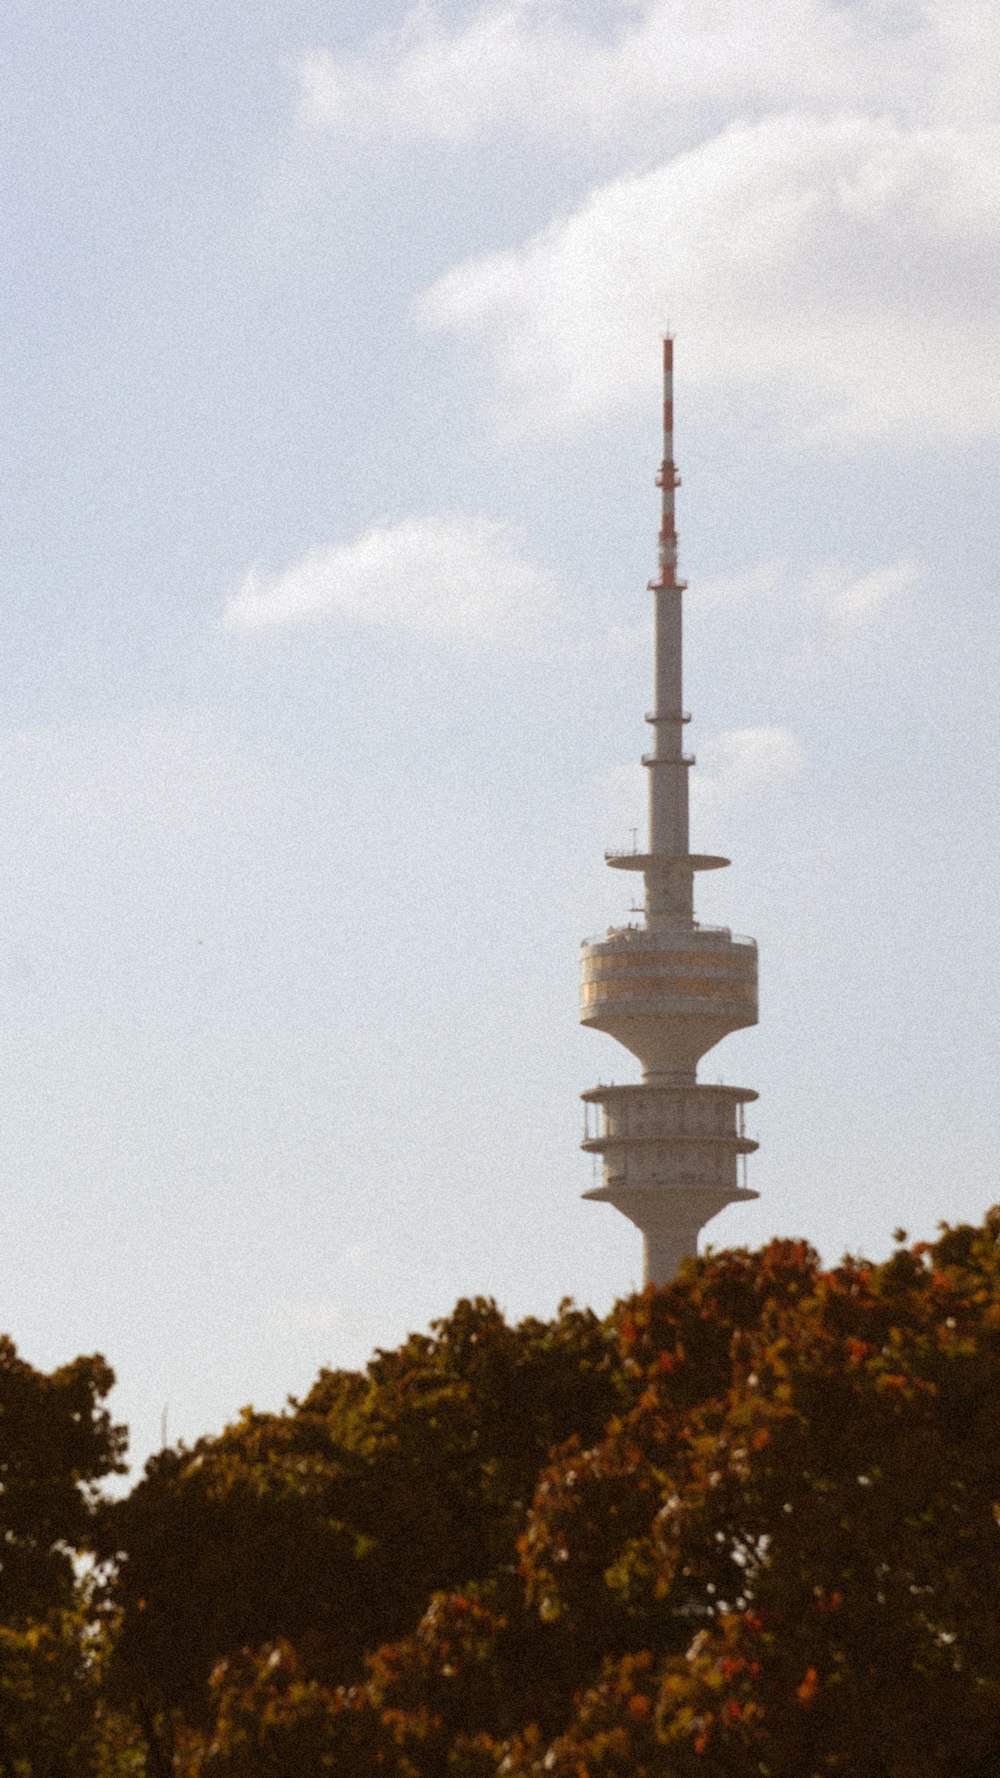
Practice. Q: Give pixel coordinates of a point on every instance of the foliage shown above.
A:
(815, 1590)
(330, 1526)
(749, 1527)
(48, 1701)
(416, 1714)
(779, 1558)
(56, 1442)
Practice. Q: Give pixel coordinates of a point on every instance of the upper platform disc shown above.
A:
(692, 861)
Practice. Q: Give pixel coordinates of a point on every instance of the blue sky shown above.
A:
(329, 426)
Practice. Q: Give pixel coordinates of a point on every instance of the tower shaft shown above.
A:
(669, 989)
(668, 891)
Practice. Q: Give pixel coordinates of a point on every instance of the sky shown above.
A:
(328, 428)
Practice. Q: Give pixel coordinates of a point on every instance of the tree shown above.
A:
(329, 1526)
(778, 1557)
(57, 1442)
(418, 1714)
(815, 1589)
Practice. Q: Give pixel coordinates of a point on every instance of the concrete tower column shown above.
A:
(664, 1246)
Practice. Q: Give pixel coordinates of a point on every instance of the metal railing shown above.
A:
(656, 938)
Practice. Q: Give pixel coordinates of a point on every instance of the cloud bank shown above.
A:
(666, 67)
(844, 270)
(446, 577)
(848, 600)
(741, 763)
(852, 600)
(817, 205)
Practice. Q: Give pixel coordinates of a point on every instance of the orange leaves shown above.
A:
(893, 1380)
(809, 1686)
(755, 1514)
(409, 1718)
(847, 1434)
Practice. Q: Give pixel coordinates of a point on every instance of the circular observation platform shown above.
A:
(665, 861)
(669, 995)
(687, 1116)
(696, 965)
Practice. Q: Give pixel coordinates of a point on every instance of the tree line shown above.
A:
(746, 1526)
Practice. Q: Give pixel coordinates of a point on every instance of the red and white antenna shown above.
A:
(668, 479)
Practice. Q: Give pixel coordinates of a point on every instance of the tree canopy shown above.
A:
(748, 1525)
(332, 1524)
(57, 1443)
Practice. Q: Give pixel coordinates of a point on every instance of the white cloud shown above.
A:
(843, 272)
(846, 598)
(851, 599)
(742, 762)
(446, 86)
(721, 592)
(657, 69)
(831, 251)
(455, 577)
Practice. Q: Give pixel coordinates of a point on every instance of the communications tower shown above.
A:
(668, 989)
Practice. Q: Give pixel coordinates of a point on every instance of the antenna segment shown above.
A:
(669, 990)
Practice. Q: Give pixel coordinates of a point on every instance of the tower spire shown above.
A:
(671, 989)
(668, 478)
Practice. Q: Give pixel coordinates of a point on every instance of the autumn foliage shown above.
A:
(746, 1526)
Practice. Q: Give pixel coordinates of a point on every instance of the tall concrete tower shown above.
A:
(668, 989)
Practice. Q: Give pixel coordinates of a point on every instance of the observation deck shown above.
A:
(668, 994)
(662, 1138)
